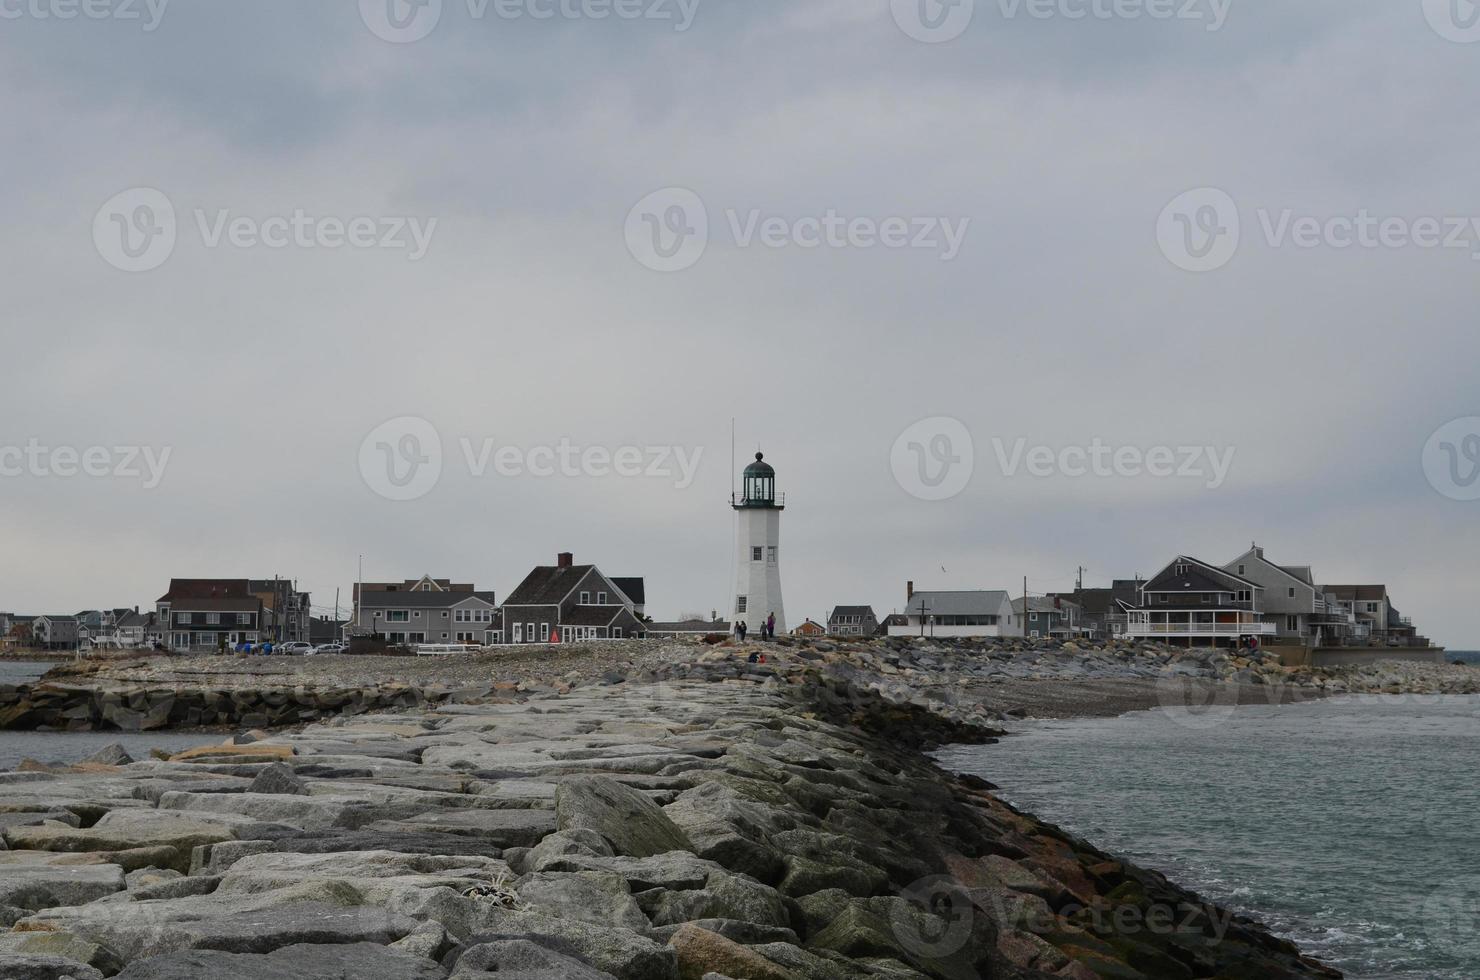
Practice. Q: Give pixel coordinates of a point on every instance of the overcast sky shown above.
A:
(1011, 255)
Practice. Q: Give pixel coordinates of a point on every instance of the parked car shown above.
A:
(328, 649)
(297, 648)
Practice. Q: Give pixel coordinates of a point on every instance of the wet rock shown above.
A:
(701, 951)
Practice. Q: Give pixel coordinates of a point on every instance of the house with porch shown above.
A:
(1297, 608)
(210, 614)
(566, 602)
(969, 614)
(1193, 603)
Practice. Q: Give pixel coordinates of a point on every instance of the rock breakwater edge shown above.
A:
(695, 816)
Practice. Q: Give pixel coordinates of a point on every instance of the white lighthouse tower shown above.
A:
(757, 549)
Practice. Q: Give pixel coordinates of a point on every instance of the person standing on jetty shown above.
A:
(771, 627)
(740, 630)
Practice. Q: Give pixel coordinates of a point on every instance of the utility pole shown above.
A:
(1025, 607)
(1080, 586)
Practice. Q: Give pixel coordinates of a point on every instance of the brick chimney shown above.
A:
(565, 560)
(909, 591)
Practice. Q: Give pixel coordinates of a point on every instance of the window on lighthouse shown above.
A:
(755, 554)
(740, 604)
(771, 554)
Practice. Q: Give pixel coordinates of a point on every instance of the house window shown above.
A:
(1182, 569)
(184, 619)
(616, 632)
(396, 637)
(755, 553)
(213, 619)
(544, 632)
(397, 616)
(601, 598)
(243, 619)
(1372, 607)
(740, 602)
(464, 637)
(1241, 570)
(585, 598)
(416, 637)
(1033, 618)
(1246, 595)
(1292, 592)
(518, 632)
(1292, 624)
(444, 614)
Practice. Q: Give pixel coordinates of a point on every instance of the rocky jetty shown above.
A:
(697, 816)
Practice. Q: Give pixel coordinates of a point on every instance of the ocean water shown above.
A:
(1347, 826)
(16, 747)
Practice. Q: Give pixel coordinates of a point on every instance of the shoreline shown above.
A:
(829, 843)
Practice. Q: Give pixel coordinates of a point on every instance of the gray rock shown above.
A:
(633, 824)
(523, 959)
(566, 842)
(38, 887)
(27, 966)
(278, 779)
(501, 828)
(353, 961)
(237, 924)
(620, 952)
(745, 933)
(595, 897)
(113, 755)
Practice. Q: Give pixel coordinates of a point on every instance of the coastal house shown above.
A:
(1193, 603)
(1047, 616)
(133, 628)
(968, 614)
(17, 630)
(852, 621)
(809, 628)
(890, 621)
(55, 632)
(1299, 610)
(287, 610)
(564, 602)
(1103, 613)
(210, 614)
(1377, 621)
(427, 616)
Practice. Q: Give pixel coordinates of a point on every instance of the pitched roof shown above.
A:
(851, 611)
(957, 603)
(633, 588)
(1042, 604)
(205, 588)
(221, 604)
(131, 619)
(546, 585)
(421, 600)
(1360, 593)
(1209, 574)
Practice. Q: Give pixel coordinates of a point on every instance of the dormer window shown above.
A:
(585, 598)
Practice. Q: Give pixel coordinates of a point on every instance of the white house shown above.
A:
(956, 614)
